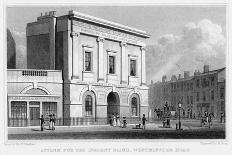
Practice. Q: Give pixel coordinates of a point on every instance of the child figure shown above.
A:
(144, 121)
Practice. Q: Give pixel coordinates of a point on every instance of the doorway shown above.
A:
(34, 113)
(113, 105)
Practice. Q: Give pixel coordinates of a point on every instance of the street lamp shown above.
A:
(179, 106)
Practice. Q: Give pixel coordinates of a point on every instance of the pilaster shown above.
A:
(75, 55)
(143, 67)
(124, 63)
(100, 41)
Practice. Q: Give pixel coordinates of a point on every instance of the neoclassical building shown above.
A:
(102, 66)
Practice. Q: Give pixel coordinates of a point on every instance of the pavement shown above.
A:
(190, 129)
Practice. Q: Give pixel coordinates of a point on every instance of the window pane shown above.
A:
(132, 67)
(134, 106)
(49, 108)
(19, 109)
(87, 61)
(88, 105)
(111, 65)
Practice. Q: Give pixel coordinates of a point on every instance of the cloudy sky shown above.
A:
(183, 37)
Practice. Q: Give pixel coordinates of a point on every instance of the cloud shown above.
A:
(198, 44)
(18, 34)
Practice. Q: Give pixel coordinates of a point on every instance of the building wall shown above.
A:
(69, 37)
(190, 90)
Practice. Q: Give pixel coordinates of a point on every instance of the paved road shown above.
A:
(192, 130)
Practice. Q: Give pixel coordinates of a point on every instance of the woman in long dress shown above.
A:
(114, 120)
(118, 120)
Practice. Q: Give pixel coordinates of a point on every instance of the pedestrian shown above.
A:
(144, 121)
(118, 120)
(42, 122)
(53, 121)
(114, 120)
(50, 121)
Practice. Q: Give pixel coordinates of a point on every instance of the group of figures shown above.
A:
(207, 118)
(51, 124)
(115, 121)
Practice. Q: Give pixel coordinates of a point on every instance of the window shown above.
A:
(198, 97)
(49, 108)
(112, 64)
(198, 83)
(222, 93)
(134, 106)
(191, 99)
(19, 109)
(187, 99)
(87, 61)
(88, 105)
(212, 95)
(212, 81)
(132, 67)
(222, 106)
(204, 97)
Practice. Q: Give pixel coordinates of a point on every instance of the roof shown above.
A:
(211, 72)
(83, 16)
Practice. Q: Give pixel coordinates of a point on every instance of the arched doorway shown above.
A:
(113, 105)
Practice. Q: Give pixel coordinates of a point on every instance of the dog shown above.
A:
(138, 126)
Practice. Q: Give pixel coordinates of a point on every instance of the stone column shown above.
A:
(124, 63)
(143, 67)
(75, 55)
(100, 59)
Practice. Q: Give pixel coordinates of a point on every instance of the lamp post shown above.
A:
(179, 106)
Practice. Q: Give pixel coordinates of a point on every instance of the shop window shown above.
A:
(19, 109)
(89, 105)
(49, 108)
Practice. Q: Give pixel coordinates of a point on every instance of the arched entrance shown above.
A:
(113, 105)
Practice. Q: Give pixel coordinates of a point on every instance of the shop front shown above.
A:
(26, 110)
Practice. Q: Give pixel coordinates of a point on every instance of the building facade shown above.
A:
(198, 93)
(102, 65)
(31, 93)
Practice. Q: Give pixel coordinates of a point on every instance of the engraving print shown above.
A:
(116, 72)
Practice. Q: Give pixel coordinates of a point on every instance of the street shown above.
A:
(191, 130)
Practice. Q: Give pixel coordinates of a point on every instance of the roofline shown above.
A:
(83, 16)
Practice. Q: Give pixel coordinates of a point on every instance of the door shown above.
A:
(34, 116)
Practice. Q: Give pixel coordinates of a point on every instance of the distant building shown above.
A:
(198, 93)
(101, 64)
(11, 51)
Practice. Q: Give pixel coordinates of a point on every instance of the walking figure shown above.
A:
(50, 121)
(118, 120)
(144, 121)
(114, 120)
(53, 121)
(42, 122)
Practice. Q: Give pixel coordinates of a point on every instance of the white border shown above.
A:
(195, 146)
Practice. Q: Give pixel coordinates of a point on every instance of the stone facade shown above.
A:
(198, 93)
(31, 93)
(103, 64)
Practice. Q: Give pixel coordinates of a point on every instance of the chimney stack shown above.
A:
(179, 77)
(186, 74)
(164, 78)
(173, 79)
(206, 69)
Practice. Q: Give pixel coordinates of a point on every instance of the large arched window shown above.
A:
(134, 106)
(88, 105)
